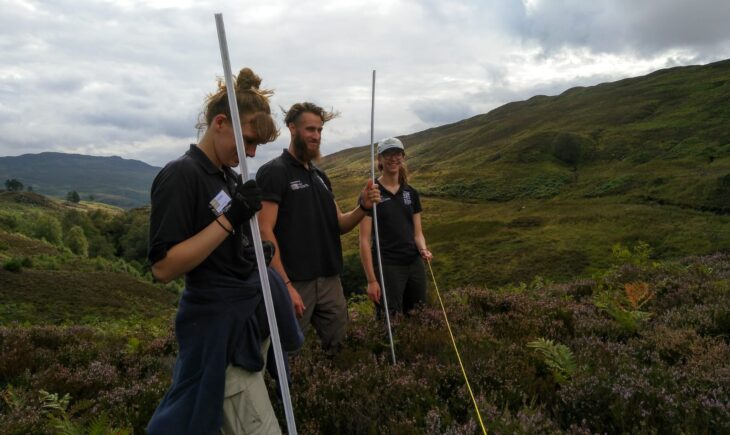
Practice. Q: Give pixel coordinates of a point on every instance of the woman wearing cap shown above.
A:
(402, 244)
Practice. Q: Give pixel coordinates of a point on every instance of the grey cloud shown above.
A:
(141, 123)
(437, 112)
(62, 83)
(626, 25)
(98, 76)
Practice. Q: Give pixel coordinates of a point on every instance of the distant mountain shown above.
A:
(111, 180)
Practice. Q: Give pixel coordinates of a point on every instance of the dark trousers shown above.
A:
(326, 309)
(405, 286)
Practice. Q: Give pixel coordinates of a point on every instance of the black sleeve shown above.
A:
(171, 217)
(416, 201)
(271, 179)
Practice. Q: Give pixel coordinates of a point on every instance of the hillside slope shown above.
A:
(70, 297)
(662, 137)
(548, 185)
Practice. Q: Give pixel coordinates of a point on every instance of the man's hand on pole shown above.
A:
(370, 195)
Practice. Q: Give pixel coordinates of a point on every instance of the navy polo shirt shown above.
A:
(181, 195)
(395, 225)
(306, 227)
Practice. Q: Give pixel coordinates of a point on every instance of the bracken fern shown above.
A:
(558, 358)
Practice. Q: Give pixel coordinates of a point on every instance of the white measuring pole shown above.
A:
(260, 259)
(375, 221)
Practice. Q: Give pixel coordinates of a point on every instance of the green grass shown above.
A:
(499, 243)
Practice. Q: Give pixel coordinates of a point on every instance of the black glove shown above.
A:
(245, 203)
(250, 254)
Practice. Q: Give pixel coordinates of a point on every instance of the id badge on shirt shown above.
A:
(220, 203)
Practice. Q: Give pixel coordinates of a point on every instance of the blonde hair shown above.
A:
(251, 100)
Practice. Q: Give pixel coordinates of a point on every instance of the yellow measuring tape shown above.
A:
(458, 356)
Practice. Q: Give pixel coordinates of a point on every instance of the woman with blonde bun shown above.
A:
(199, 229)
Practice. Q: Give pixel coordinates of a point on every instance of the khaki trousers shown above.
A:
(246, 405)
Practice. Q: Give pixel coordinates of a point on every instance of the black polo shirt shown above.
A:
(395, 225)
(181, 196)
(306, 226)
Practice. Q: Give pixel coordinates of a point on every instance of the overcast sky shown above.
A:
(128, 77)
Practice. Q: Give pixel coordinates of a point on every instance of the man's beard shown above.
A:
(303, 153)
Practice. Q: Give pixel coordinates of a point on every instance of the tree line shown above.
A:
(15, 185)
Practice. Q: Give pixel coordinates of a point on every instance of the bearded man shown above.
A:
(300, 216)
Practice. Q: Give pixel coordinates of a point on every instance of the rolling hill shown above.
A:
(548, 185)
(663, 137)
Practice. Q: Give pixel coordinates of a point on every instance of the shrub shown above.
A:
(13, 265)
(48, 228)
(16, 264)
(572, 149)
(8, 221)
(76, 241)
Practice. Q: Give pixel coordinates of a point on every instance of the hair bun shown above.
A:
(247, 79)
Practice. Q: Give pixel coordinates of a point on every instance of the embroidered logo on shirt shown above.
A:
(407, 198)
(297, 184)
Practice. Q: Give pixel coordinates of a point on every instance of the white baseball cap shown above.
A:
(389, 144)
